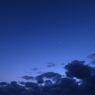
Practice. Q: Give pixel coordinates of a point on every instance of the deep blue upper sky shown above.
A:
(35, 32)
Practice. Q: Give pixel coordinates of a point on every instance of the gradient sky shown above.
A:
(35, 32)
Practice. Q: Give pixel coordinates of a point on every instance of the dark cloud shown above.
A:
(28, 77)
(22, 82)
(51, 64)
(3, 83)
(54, 84)
(50, 75)
(78, 69)
(48, 82)
(31, 85)
(39, 79)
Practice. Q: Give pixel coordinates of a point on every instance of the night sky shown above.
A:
(37, 33)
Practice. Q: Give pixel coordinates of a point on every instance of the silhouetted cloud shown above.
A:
(3, 83)
(54, 84)
(28, 77)
(39, 79)
(78, 69)
(48, 82)
(50, 75)
(22, 82)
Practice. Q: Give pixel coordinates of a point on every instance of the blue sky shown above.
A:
(35, 32)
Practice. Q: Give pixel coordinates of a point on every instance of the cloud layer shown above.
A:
(79, 80)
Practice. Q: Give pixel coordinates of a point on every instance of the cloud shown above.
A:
(50, 75)
(39, 79)
(91, 55)
(54, 84)
(3, 83)
(28, 77)
(51, 64)
(35, 69)
(48, 82)
(31, 85)
(78, 69)
(22, 82)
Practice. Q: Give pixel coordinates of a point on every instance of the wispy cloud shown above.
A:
(51, 64)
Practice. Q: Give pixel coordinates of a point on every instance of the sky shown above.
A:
(36, 33)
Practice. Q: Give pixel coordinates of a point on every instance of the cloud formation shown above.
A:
(51, 83)
(35, 69)
(28, 77)
(51, 64)
(78, 69)
(92, 57)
